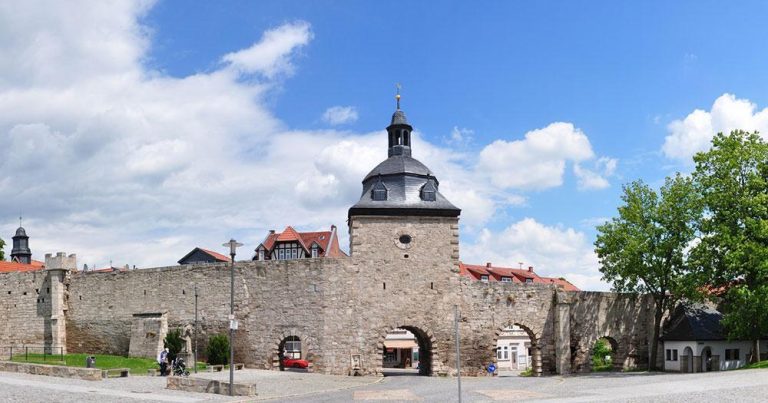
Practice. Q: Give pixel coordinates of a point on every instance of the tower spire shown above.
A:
(397, 97)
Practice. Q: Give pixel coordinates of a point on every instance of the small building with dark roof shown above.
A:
(200, 255)
(694, 341)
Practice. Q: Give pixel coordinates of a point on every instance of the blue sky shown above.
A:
(168, 125)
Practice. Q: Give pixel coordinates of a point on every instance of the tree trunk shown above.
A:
(755, 350)
(656, 331)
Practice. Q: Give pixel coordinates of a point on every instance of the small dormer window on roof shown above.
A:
(429, 190)
(314, 250)
(379, 191)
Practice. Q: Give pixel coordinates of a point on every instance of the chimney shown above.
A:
(488, 265)
(271, 231)
(333, 227)
(530, 269)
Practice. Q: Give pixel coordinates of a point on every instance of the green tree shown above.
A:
(644, 249)
(2, 253)
(217, 350)
(733, 253)
(173, 342)
(600, 351)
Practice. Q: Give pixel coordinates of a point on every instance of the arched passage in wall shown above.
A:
(406, 350)
(606, 355)
(686, 361)
(706, 359)
(292, 345)
(521, 342)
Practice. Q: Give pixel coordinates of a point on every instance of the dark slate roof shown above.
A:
(398, 118)
(403, 177)
(399, 164)
(691, 322)
(21, 232)
(403, 194)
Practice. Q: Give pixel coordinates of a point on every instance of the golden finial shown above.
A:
(397, 97)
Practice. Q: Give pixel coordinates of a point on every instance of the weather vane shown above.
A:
(397, 97)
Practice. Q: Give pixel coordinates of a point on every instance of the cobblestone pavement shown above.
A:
(732, 386)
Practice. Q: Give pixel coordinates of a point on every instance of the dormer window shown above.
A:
(429, 191)
(484, 278)
(529, 281)
(379, 191)
(506, 279)
(261, 253)
(314, 250)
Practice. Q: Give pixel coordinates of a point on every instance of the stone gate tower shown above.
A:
(404, 239)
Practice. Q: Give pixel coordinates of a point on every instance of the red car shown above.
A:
(295, 363)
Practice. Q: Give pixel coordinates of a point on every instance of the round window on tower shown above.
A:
(403, 240)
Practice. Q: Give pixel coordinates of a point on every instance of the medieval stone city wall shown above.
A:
(24, 310)
(341, 309)
(270, 299)
(626, 319)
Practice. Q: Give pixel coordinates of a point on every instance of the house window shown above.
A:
(506, 279)
(314, 250)
(528, 281)
(287, 251)
(261, 254)
(671, 354)
(731, 354)
(484, 278)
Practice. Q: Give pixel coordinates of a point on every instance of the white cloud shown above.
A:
(596, 177)
(271, 56)
(461, 137)
(113, 161)
(339, 115)
(538, 161)
(553, 251)
(694, 133)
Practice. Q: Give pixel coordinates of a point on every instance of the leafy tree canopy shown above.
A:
(645, 248)
(732, 178)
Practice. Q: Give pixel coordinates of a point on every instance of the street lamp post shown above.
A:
(195, 361)
(232, 323)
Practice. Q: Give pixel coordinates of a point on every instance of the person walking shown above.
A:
(162, 360)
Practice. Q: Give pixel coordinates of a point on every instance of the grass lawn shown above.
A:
(138, 366)
(760, 364)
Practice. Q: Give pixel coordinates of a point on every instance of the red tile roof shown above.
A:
(562, 283)
(328, 241)
(495, 273)
(216, 255)
(8, 267)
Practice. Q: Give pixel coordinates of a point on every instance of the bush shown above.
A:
(601, 356)
(218, 350)
(173, 342)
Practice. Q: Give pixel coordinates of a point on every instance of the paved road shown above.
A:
(732, 386)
